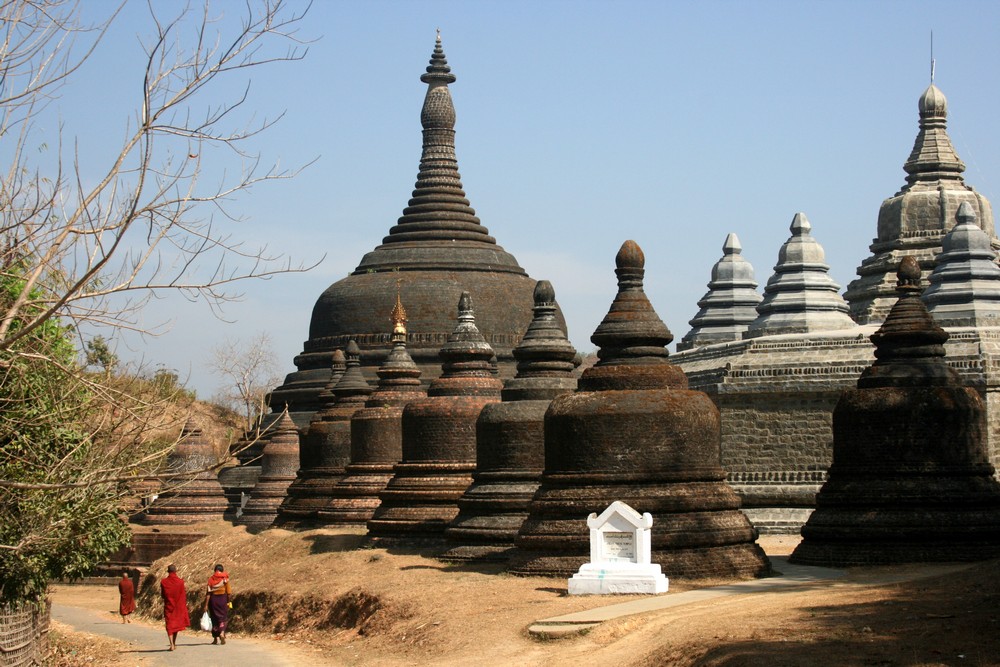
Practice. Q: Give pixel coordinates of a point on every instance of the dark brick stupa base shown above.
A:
(196, 496)
(376, 434)
(439, 439)
(633, 432)
(911, 479)
(510, 441)
(279, 463)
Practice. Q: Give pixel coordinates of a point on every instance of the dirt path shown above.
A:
(92, 610)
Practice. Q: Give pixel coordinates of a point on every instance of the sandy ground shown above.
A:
(334, 601)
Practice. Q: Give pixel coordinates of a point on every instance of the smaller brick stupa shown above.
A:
(326, 447)
(279, 464)
(730, 304)
(910, 480)
(964, 288)
(196, 494)
(510, 440)
(377, 433)
(633, 432)
(439, 438)
(800, 296)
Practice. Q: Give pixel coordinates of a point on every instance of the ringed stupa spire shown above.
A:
(730, 304)
(933, 157)
(915, 219)
(964, 287)
(439, 209)
(437, 248)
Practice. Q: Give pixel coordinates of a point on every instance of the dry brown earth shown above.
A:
(349, 604)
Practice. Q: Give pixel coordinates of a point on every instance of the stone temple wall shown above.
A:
(776, 450)
(776, 396)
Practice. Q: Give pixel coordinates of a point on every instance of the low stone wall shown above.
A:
(24, 634)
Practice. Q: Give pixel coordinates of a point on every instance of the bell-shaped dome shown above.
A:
(437, 249)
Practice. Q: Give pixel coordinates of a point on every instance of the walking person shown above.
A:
(126, 597)
(218, 603)
(175, 611)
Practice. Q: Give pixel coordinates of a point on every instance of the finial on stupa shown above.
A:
(908, 275)
(285, 423)
(398, 316)
(631, 331)
(909, 346)
(353, 382)
(544, 351)
(438, 71)
(466, 350)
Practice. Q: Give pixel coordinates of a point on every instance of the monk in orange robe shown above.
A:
(218, 603)
(175, 611)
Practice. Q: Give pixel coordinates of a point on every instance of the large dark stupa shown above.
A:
(911, 479)
(437, 250)
(634, 432)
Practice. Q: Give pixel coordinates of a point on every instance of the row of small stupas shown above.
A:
(512, 474)
(775, 367)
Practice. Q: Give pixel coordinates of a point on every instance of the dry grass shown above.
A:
(355, 605)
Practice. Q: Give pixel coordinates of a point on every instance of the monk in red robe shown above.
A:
(126, 598)
(175, 611)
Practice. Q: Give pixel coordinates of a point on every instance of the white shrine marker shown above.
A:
(619, 555)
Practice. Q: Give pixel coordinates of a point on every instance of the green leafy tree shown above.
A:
(50, 525)
(99, 354)
(84, 251)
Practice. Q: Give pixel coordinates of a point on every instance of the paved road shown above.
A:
(193, 648)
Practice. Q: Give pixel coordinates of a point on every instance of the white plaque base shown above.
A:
(611, 578)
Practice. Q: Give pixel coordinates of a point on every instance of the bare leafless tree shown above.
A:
(249, 369)
(80, 248)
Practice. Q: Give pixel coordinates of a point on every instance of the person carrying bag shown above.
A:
(217, 605)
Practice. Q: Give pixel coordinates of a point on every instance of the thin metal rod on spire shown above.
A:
(932, 56)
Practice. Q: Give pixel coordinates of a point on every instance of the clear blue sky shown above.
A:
(580, 125)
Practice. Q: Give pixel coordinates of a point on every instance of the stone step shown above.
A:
(545, 630)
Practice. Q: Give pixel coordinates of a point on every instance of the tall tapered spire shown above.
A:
(438, 208)
(915, 219)
(436, 249)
